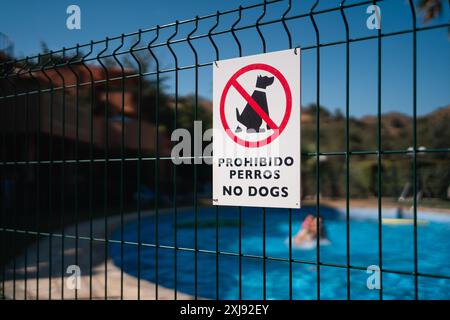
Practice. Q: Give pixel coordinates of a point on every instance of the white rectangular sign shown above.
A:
(256, 122)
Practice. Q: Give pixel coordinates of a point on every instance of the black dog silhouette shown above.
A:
(249, 118)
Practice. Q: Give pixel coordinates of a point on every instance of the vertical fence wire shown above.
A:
(288, 34)
(70, 62)
(238, 43)
(77, 162)
(217, 57)
(11, 245)
(27, 198)
(14, 157)
(63, 174)
(195, 174)
(106, 162)
(91, 161)
(347, 143)
(122, 162)
(174, 169)
(139, 164)
(27, 164)
(3, 224)
(379, 156)
(414, 107)
(317, 35)
(50, 174)
(157, 163)
(264, 50)
(62, 168)
(38, 175)
(17, 138)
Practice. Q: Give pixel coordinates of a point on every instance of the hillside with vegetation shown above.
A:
(433, 134)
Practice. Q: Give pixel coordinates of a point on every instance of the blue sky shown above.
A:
(27, 23)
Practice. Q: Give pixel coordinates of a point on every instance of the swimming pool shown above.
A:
(397, 247)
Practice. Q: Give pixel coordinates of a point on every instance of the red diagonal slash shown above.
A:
(254, 105)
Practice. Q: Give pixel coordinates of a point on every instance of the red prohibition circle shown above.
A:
(281, 127)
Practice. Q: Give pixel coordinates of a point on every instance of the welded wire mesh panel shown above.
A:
(87, 170)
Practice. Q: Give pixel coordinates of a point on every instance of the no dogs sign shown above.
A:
(256, 121)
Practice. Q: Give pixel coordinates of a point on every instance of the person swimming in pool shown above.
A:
(308, 230)
(305, 232)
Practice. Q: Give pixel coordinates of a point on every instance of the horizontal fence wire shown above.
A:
(304, 154)
(55, 81)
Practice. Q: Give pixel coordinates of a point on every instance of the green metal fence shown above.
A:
(84, 127)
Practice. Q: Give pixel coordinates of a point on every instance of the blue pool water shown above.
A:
(397, 246)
